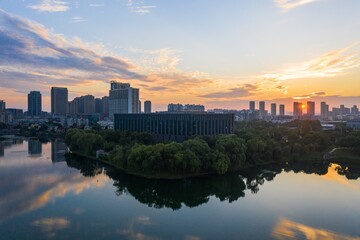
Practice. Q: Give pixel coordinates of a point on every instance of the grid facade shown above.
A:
(176, 126)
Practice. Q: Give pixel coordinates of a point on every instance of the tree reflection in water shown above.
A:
(196, 191)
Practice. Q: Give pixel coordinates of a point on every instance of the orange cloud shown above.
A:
(286, 229)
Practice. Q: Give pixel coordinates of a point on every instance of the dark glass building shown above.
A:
(34, 104)
(59, 101)
(176, 126)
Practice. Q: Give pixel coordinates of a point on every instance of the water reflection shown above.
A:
(197, 191)
(34, 147)
(27, 184)
(2, 148)
(58, 150)
(286, 229)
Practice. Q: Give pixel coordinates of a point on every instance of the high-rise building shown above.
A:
(273, 109)
(324, 110)
(147, 106)
(139, 107)
(262, 108)
(59, 101)
(297, 109)
(310, 109)
(87, 105)
(252, 105)
(34, 104)
(282, 110)
(354, 110)
(98, 106)
(123, 99)
(2, 105)
(105, 106)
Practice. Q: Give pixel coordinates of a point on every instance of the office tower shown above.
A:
(262, 108)
(98, 106)
(282, 110)
(273, 109)
(105, 106)
(323, 110)
(2, 105)
(310, 109)
(34, 104)
(59, 101)
(252, 105)
(123, 98)
(297, 109)
(147, 106)
(139, 107)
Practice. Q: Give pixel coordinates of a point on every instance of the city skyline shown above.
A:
(219, 60)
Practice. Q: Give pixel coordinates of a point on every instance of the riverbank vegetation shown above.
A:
(254, 143)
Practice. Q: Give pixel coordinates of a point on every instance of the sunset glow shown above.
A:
(222, 54)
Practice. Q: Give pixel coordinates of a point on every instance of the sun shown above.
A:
(303, 106)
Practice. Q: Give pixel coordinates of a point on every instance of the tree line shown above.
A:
(253, 143)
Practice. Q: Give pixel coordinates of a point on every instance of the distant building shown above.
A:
(310, 109)
(98, 106)
(2, 105)
(86, 105)
(185, 108)
(147, 106)
(324, 110)
(59, 101)
(140, 109)
(353, 124)
(16, 113)
(175, 107)
(282, 110)
(297, 110)
(354, 110)
(262, 109)
(34, 104)
(176, 126)
(252, 105)
(123, 99)
(273, 109)
(105, 107)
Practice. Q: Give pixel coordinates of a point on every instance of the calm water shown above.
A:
(45, 196)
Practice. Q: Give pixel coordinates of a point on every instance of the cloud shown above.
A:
(310, 95)
(51, 6)
(77, 19)
(96, 5)
(139, 7)
(330, 64)
(239, 92)
(40, 57)
(286, 229)
(51, 225)
(290, 4)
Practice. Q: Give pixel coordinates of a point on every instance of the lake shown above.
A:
(44, 195)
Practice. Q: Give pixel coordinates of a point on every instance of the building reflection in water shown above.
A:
(58, 150)
(2, 150)
(34, 147)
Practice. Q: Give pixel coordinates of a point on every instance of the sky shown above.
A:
(221, 54)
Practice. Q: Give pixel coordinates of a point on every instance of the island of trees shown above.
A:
(254, 143)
